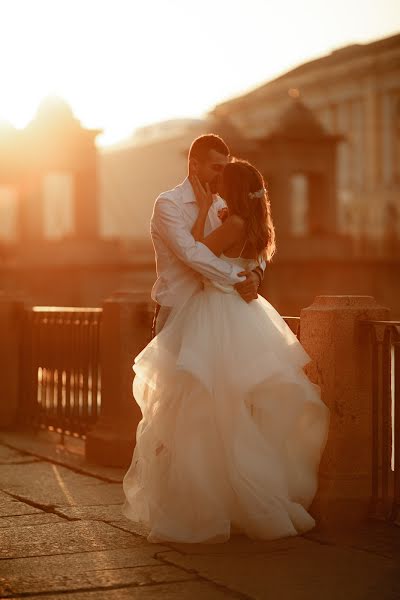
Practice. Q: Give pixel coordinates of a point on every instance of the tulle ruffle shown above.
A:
(232, 430)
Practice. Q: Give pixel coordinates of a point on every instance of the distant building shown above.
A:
(51, 245)
(355, 93)
(74, 220)
(133, 173)
(326, 136)
(48, 177)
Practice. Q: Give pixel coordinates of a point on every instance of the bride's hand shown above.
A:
(204, 197)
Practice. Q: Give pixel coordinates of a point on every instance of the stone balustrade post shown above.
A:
(11, 329)
(340, 365)
(125, 331)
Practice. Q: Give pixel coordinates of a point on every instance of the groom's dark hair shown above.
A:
(204, 143)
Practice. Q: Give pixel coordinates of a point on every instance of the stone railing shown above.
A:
(342, 365)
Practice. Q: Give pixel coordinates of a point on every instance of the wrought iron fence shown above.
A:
(294, 324)
(384, 339)
(61, 380)
(60, 368)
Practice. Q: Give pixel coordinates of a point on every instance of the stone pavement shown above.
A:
(63, 537)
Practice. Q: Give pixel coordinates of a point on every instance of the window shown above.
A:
(58, 210)
(299, 204)
(397, 140)
(8, 214)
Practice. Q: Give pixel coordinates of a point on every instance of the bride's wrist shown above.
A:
(203, 211)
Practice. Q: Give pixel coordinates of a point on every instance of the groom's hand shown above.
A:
(248, 289)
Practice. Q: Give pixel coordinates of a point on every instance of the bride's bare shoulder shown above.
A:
(235, 222)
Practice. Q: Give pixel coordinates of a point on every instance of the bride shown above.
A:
(232, 429)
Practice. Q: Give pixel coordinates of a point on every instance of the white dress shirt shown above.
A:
(181, 262)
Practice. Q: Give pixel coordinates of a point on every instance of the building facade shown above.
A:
(354, 93)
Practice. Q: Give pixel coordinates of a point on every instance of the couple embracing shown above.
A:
(232, 430)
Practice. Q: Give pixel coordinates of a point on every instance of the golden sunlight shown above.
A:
(121, 65)
(200, 297)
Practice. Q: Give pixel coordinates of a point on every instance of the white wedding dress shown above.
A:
(232, 431)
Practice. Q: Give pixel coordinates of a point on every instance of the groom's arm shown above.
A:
(248, 289)
(167, 221)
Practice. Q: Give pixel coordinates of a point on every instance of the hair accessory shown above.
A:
(258, 194)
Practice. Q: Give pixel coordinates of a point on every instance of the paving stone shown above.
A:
(95, 513)
(111, 514)
(63, 538)
(46, 483)
(306, 570)
(91, 579)
(241, 544)
(132, 526)
(379, 537)
(25, 520)
(9, 455)
(97, 556)
(188, 590)
(46, 445)
(9, 506)
(141, 554)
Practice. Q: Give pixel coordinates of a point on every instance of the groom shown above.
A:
(180, 260)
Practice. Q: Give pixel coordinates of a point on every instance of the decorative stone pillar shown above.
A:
(86, 203)
(330, 334)
(30, 217)
(372, 130)
(125, 331)
(11, 321)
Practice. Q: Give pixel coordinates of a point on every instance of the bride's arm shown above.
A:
(223, 237)
(198, 227)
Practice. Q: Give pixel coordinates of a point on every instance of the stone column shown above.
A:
(372, 130)
(330, 334)
(86, 197)
(125, 331)
(11, 320)
(30, 217)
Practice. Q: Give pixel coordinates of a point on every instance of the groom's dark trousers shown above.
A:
(154, 322)
(159, 319)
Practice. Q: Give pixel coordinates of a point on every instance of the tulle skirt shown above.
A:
(232, 429)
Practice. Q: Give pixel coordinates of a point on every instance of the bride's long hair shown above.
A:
(240, 180)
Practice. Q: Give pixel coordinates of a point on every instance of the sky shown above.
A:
(122, 64)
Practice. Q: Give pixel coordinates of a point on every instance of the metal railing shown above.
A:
(294, 324)
(61, 381)
(60, 368)
(384, 338)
